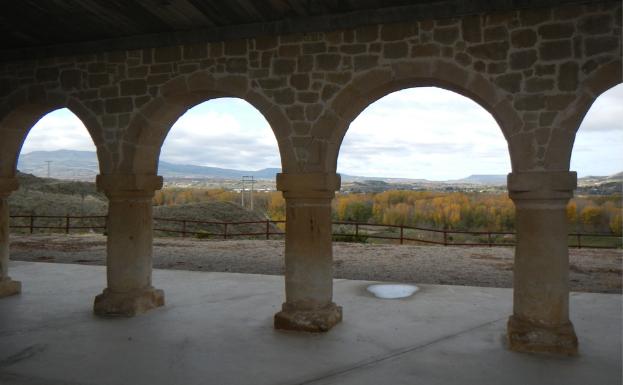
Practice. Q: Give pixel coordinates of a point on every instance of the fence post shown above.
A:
(489, 238)
(184, 229)
(445, 238)
(32, 223)
(401, 233)
(67, 224)
(267, 229)
(225, 232)
(579, 241)
(357, 230)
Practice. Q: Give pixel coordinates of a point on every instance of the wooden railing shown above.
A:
(265, 225)
(358, 231)
(445, 237)
(65, 222)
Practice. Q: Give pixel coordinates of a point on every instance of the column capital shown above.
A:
(129, 185)
(315, 185)
(7, 186)
(542, 185)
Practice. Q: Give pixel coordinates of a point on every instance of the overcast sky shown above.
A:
(415, 133)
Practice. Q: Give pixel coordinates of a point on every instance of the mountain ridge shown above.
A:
(83, 165)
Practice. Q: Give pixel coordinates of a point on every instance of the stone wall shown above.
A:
(536, 71)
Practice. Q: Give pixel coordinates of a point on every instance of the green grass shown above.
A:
(42, 196)
(211, 212)
(597, 242)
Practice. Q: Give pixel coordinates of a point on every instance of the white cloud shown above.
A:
(606, 113)
(58, 130)
(416, 133)
(228, 133)
(424, 133)
(598, 147)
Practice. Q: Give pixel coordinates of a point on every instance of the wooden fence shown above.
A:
(347, 231)
(183, 229)
(64, 223)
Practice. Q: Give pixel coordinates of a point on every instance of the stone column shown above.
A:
(309, 253)
(7, 285)
(129, 246)
(540, 320)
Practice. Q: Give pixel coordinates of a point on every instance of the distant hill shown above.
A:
(498, 180)
(491, 180)
(64, 164)
(597, 180)
(82, 165)
(369, 179)
(171, 170)
(601, 185)
(495, 180)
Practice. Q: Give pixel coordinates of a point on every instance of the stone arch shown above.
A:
(373, 85)
(150, 126)
(558, 155)
(24, 109)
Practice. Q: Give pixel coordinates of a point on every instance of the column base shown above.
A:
(127, 304)
(8, 287)
(525, 336)
(308, 320)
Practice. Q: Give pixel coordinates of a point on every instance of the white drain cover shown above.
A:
(392, 291)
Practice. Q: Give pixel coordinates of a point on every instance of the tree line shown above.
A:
(452, 211)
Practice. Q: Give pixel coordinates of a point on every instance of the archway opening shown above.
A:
(219, 162)
(597, 158)
(59, 146)
(426, 167)
(424, 133)
(56, 169)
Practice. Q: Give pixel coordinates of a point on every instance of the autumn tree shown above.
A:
(616, 223)
(572, 213)
(457, 210)
(276, 208)
(591, 217)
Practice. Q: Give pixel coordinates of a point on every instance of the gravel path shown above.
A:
(592, 270)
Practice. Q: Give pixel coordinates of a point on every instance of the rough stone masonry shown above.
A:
(537, 71)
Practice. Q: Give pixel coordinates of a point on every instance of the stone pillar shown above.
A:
(540, 320)
(309, 253)
(129, 246)
(7, 285)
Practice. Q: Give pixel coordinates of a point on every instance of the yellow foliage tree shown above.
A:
(591, 216)
(616, 223)
(276, 209)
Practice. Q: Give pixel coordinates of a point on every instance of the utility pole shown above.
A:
(250, 179)
(48, 162)
(252, 183)
(242, 193)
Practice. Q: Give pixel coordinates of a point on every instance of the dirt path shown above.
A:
(590, 269)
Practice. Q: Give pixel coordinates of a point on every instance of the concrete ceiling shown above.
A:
(34, 22)
(38, 28)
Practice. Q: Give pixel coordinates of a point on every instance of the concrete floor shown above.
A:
(216, 328)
